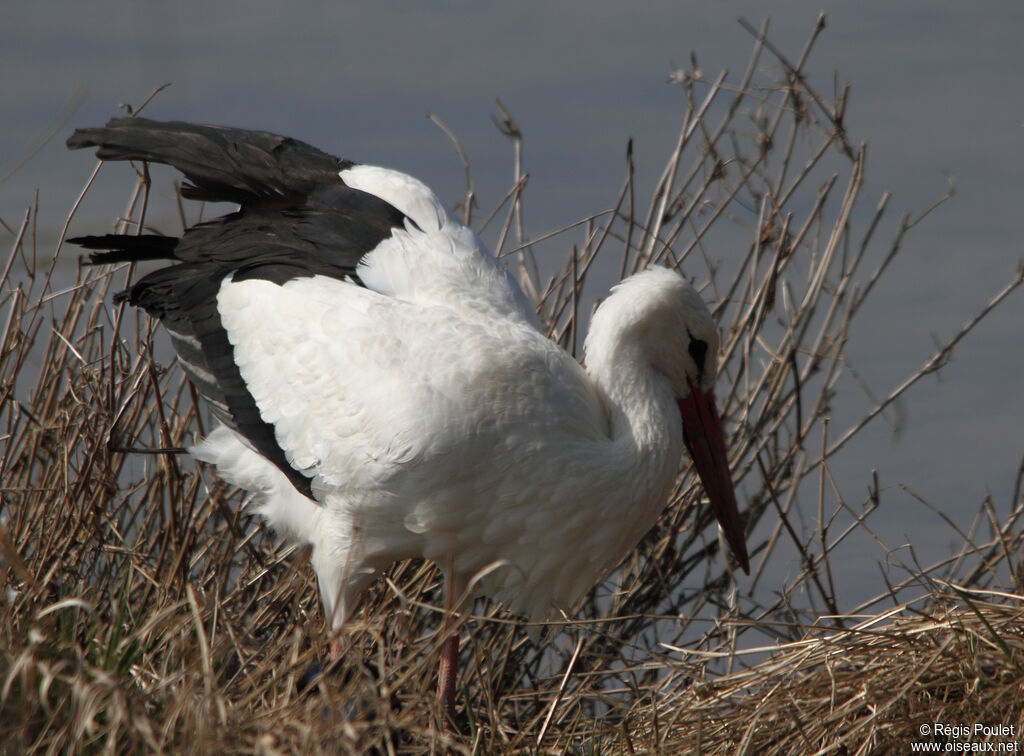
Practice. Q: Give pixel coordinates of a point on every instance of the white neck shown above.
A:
(645, 427)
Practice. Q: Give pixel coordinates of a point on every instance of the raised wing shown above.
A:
(303, 214)
(222, 164)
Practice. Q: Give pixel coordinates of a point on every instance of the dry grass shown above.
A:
(143, 610)
(867, 689)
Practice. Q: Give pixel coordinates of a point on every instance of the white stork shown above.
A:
(384, 389)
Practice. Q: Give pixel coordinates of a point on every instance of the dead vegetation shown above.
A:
(144, 610)
(865, 689)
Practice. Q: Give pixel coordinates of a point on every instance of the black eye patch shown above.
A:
(698, 351)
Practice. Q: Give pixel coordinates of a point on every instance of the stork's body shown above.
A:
(385, 390)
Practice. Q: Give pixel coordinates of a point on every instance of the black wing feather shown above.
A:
(297, 219)
(223, 164)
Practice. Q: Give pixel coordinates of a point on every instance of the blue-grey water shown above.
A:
(937, 95)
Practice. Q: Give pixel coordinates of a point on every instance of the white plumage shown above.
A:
(418, 396)
(437, 432)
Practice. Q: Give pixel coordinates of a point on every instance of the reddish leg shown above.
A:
(338, 648)
(448, 668)
(446, 676)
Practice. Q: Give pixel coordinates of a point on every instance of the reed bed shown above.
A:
(144, 610)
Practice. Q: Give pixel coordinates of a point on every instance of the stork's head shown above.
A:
(668, 322)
